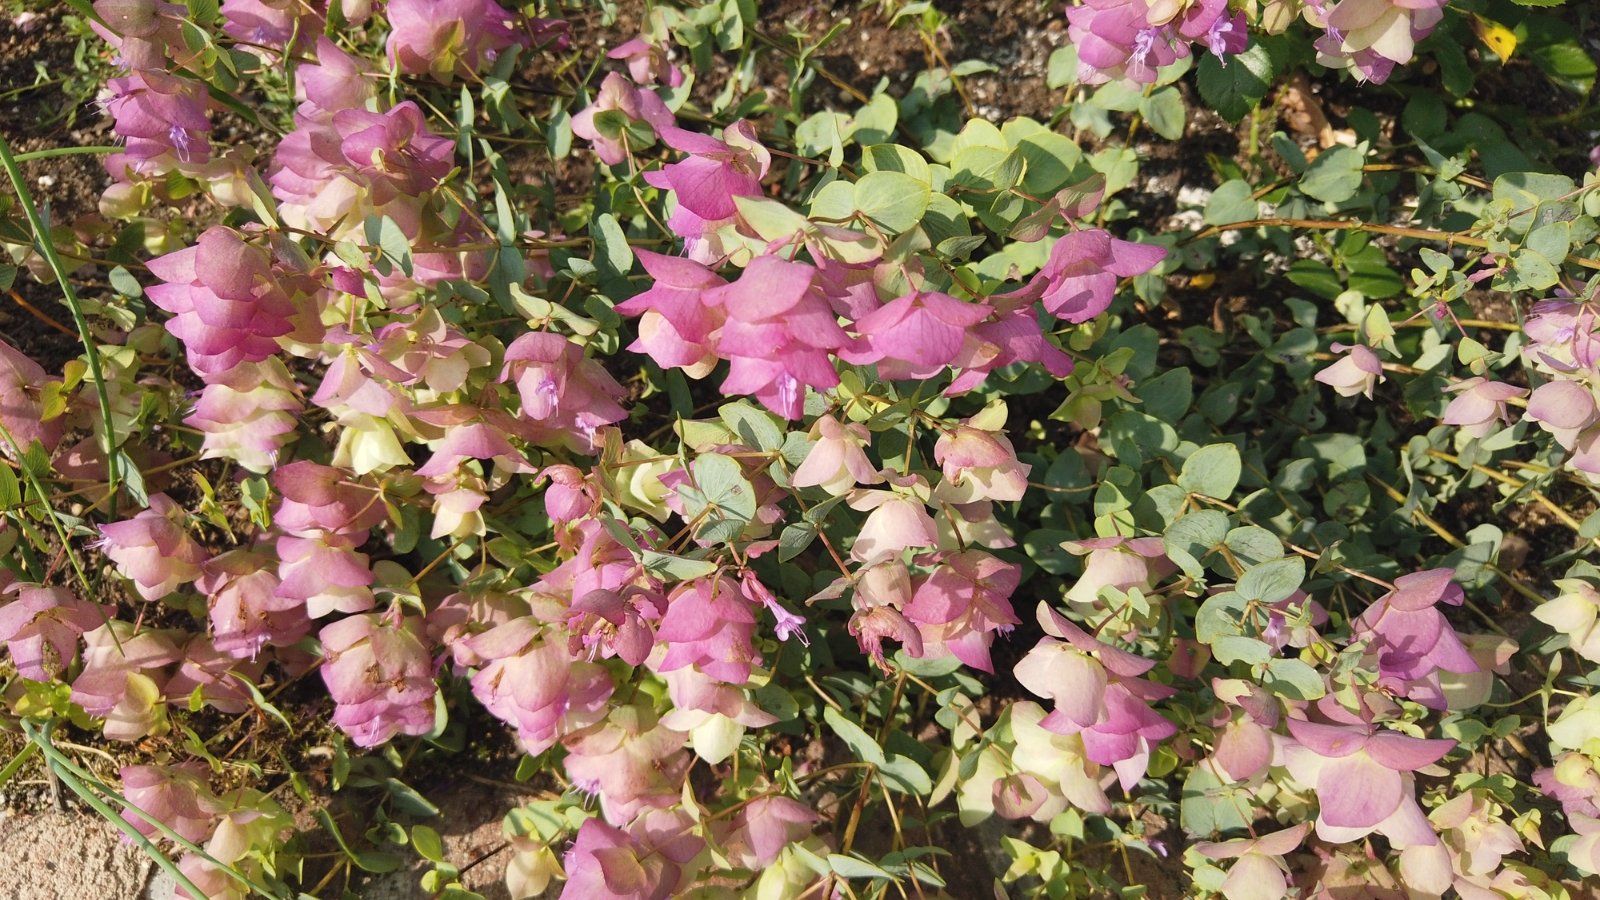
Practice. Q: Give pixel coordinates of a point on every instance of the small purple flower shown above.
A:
(788, 624)
(1227, 36)
(162, 118)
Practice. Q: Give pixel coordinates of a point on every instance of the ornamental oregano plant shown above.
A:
(791, 468)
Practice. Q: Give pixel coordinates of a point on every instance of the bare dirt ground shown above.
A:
(68, 856)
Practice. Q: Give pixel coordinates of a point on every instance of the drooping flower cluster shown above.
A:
(1357, 372)
(1133, 39)
(1098, 695)
(41, 628)
(1371, 37)
(153, 549)
(1413, 641)
(162, 117)
(248, 414)
(378, 671)
(1362, 779)
(450, 38)
(241, 828)
(465, 507)
(227, 301)
(21, 408)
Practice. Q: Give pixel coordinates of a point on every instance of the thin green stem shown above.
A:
(80, 780)
(1518, 484)
(61, 533)
(53, 152)
(91, 353)
(1445, 534)
(1448, 238)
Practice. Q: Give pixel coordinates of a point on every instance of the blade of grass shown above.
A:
(79, 780)
(59, 765)
(35, 155)
(61, 532)
(47, 248)
(11, 769)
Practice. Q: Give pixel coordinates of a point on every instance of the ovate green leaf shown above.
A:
(894, 201)
(1212, 471)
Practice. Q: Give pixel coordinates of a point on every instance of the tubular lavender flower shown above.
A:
(163, 119)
